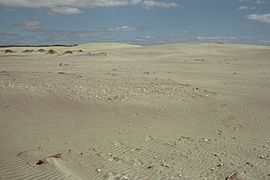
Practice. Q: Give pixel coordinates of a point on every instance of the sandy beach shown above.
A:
(118, 111)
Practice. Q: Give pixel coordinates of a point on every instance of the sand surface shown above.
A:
(116, 111)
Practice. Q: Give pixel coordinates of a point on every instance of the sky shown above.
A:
(142, 22)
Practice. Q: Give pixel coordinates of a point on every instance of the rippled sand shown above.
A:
(118, 111)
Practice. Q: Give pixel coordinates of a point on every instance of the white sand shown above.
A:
(179, 111)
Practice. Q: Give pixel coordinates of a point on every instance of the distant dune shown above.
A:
(63, 48)
(100, 45)
(119, 111)
(7, 46)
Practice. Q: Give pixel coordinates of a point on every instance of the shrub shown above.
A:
(51, 51)
(28, 51)
(9, 51)
(68, 52)
(42, 50)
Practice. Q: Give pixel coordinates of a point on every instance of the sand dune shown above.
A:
(175, 111)
(60, 50)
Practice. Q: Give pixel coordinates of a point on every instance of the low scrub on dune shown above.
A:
(68, 52)
(80, 51)
(42, 50)
(28, 51)
(9, 51)
(51, 51)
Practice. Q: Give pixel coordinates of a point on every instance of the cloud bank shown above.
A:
(32, 25)
(216, 38)
(259, 17)
(64, 10)
(121, 29)
(75, 6)
(246, 8)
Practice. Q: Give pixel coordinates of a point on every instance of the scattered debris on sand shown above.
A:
(42, 161)
(97, 54)
(232, 176)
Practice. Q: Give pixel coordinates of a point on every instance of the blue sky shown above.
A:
(134, 21)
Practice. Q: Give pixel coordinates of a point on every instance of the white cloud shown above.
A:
(142, 38)
(260, 1)
(15, 39)
(246, 8)
(259, 17)
(216, 38)
(68, 3)
(30, 25)
(264, 41)
(241, 1)
(122, 29)
(151, 3)
(248, 37)
(64, 10)
(75, 6)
